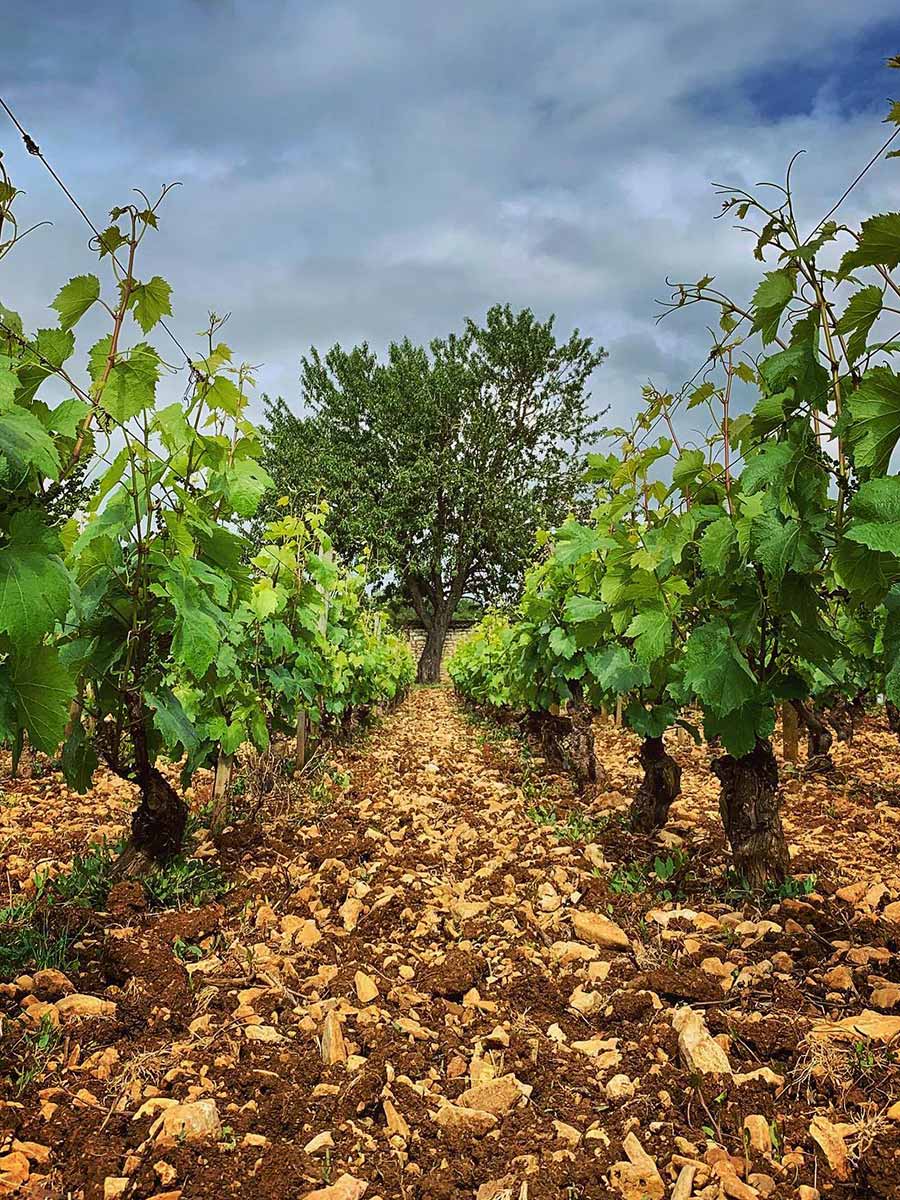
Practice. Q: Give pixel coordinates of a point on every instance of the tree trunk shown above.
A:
(893, 717)
(748, 802)
(429, 670)
(790, 733)
(818, 739)
(660, 786)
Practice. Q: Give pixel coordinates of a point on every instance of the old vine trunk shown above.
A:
(818, 739)
(567, 740)
(159, 821)
(748, 802)
(660, 786)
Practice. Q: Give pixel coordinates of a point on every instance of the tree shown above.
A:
(444, 461)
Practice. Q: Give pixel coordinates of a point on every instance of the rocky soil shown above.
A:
(445, 977)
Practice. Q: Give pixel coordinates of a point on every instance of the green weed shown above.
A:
(574, 827)
(633, 878)
(33, 1050)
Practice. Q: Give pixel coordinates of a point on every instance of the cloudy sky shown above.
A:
(369, 169)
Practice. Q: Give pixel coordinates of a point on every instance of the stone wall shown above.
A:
(415, 635)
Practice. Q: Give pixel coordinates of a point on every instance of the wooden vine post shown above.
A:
(221, 780)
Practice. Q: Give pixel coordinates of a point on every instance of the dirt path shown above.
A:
(417, 988)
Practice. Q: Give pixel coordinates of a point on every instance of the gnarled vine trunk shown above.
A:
(748, 803)
(818, 739)
(660, 786)
(159, 821)
(845, 715)
(567, 740)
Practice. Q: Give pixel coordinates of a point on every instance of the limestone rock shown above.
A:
(322, 1141)
(600, 931)
(758, 1132)
(14, 1171)
(76, 1004)
(196, 1122)
(366, 987)
(262, 1033)
(459, 1119)
(495, 1096)
(838, 979)
(345, 1187)
(620, 1087)
(637, 1179)
(684, 1184)
(867, 1024)
(698, 1049)
(334, 1048)
(827, 1135)
(51, 984)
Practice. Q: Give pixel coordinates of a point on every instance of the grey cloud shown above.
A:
(365, 171)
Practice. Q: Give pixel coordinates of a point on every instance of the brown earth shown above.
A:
(394, 991)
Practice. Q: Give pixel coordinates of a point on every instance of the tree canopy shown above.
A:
(443, 460)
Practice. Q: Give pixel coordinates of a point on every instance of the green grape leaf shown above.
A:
(246, 482)
(55, 345)
(649, 722)
(770, 411)
(9, 383)
(615, 670)
(575, 541)
(872, 419)
(770, 300)
(583, 608)
(68, 417)
(689, 465)
(172, 722)
(78, 760)
(783, 546)
(715, 670)
(561, 642)
(875, 515)
(264, 599)
(652, 634)
(740, 728)
(131, 385)
(98, 356)
(224, 396)
(768, 467)
(43, 690)
(716, 544)
(799, 367)
(879, 245)
(26, 443)
(866, 574)
(861, 313)
(196, 640)
(150, 301)
(34, 591)
(75, 298)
